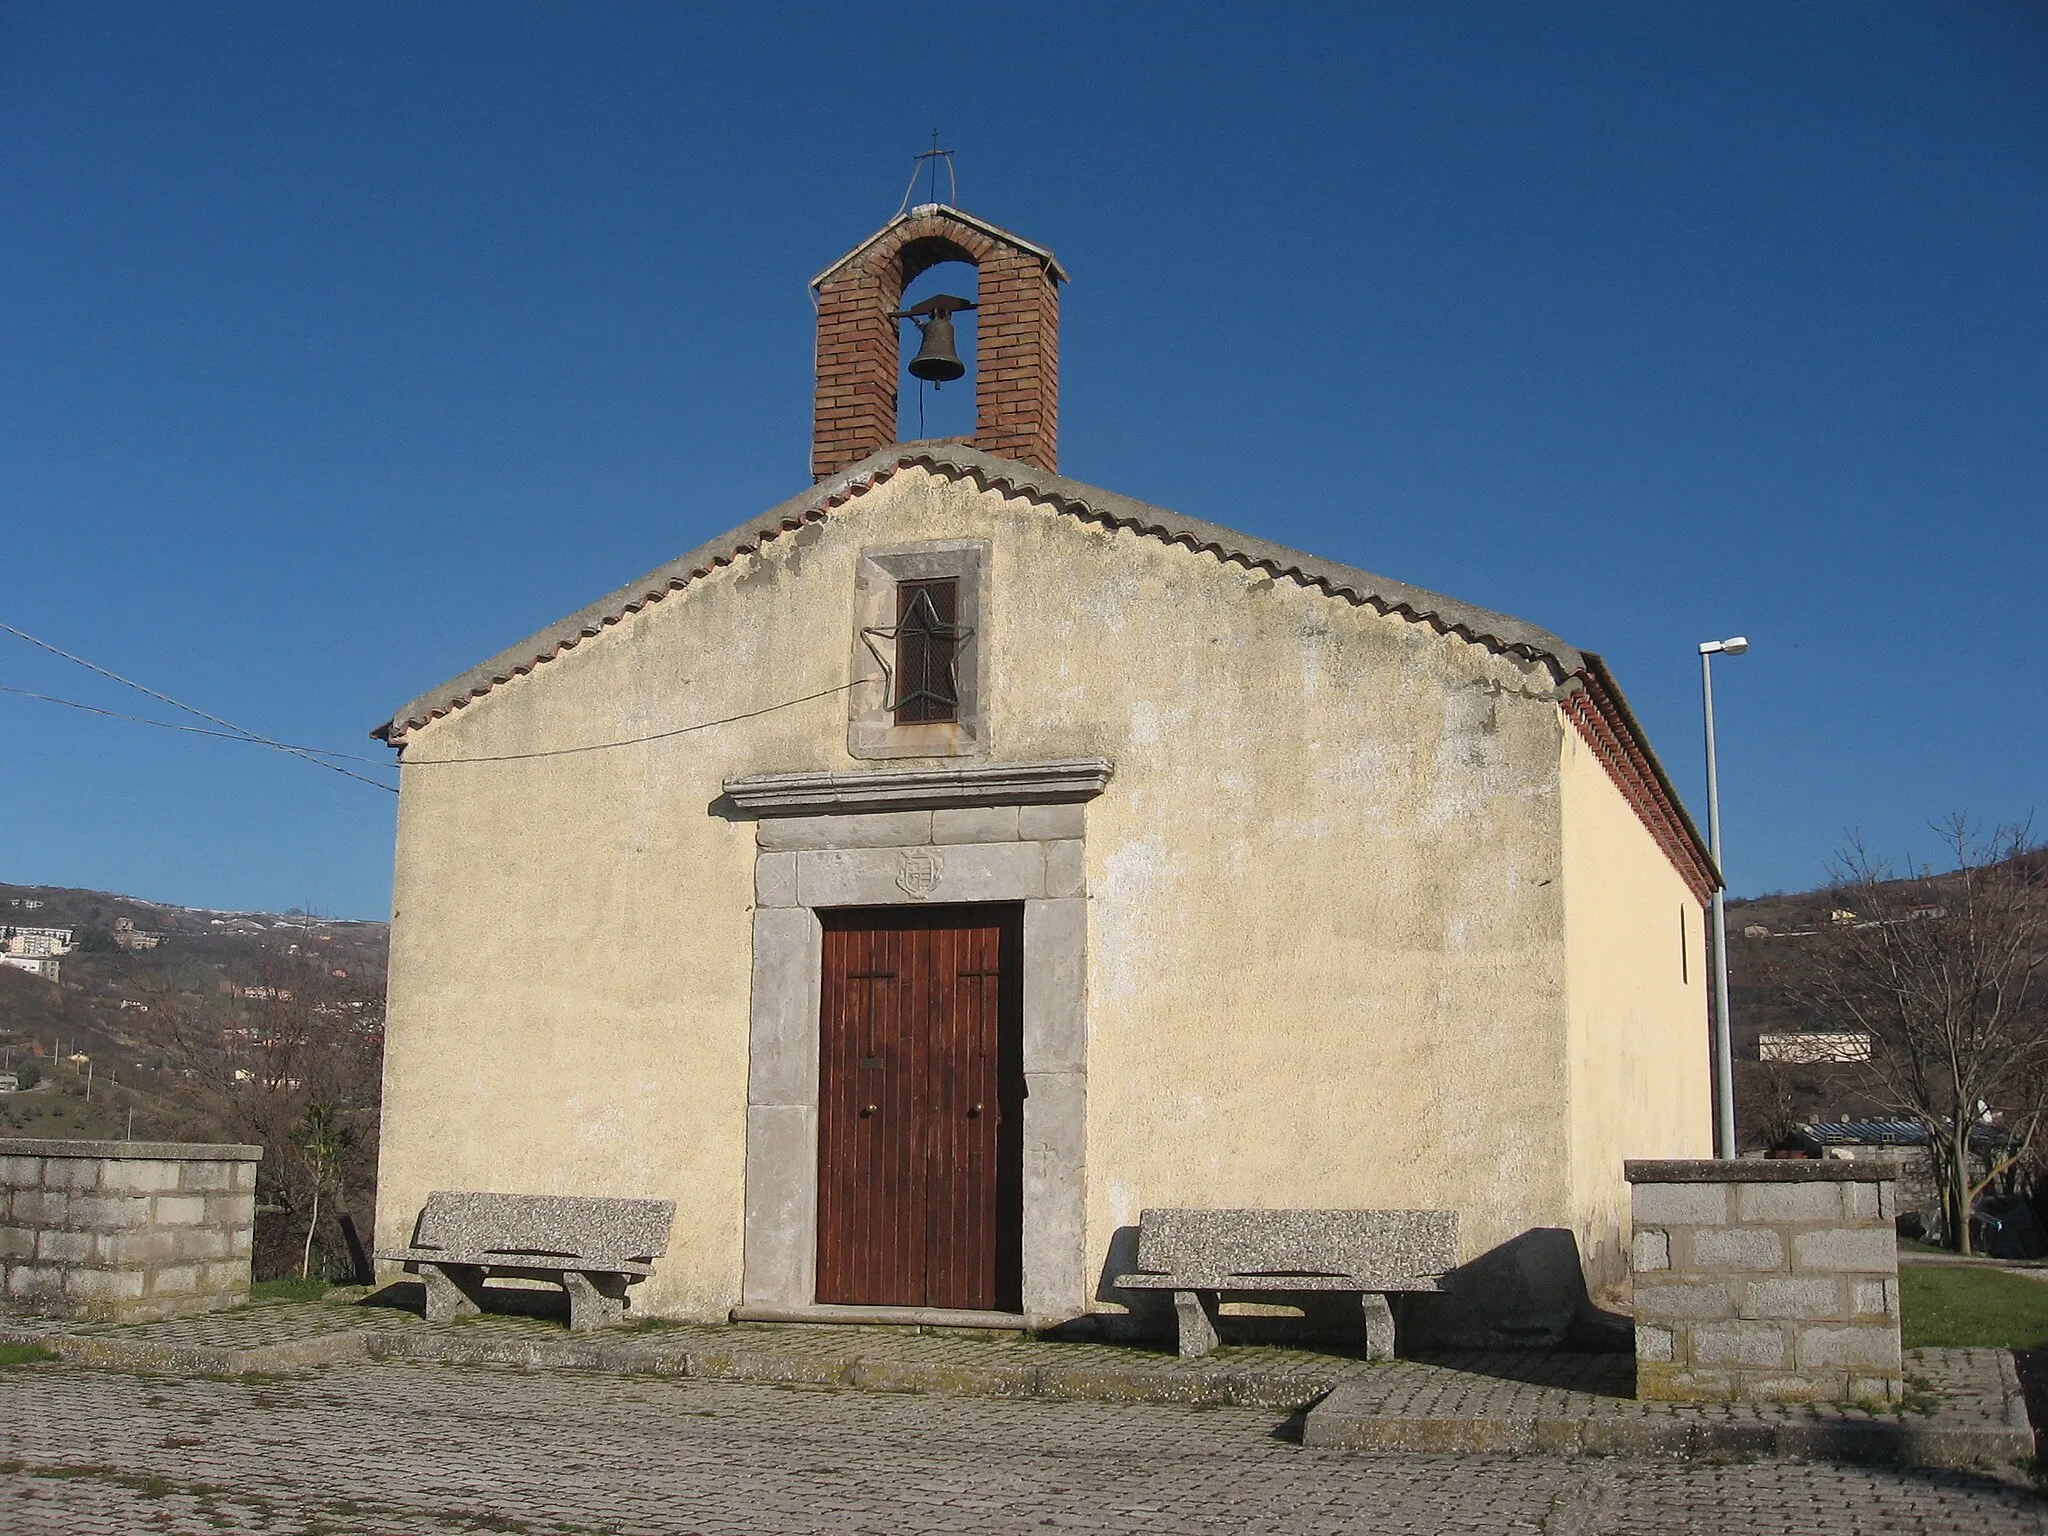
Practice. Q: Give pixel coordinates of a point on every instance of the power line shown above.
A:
(242, 731)
(633, 741)
(193, 730)
(312, 754)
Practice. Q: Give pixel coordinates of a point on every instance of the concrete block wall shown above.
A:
(125, 1230)
(1765, 1281)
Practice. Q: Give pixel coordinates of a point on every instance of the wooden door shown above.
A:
(920, 1108)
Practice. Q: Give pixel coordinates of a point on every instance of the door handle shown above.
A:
(866, 1110)
(974, 1111)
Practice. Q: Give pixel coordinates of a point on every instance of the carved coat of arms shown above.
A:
(918, 871)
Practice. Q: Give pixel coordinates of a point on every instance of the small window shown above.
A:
(920, 672)
(927, 651)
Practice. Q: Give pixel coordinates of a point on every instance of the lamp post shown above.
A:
(1724, 1055)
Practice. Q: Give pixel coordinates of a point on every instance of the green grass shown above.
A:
(23, 1354)
(290, 1290)
(1957, 1306)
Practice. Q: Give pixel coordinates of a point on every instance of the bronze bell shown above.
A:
(937, 357)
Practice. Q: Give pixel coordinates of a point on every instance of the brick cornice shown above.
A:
(1603, 719)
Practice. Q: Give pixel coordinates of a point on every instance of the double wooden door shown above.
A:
(920, 1108)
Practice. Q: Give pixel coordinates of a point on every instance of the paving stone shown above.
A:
(1571, 1404)
(415, 1449)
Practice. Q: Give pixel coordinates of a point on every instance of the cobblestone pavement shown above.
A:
(414, 1448)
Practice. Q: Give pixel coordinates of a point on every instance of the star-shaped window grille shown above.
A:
(922, 680)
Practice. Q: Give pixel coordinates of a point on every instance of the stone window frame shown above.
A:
(871, 729)
(1009, 833)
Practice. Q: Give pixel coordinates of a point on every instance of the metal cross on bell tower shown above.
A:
(928, 164)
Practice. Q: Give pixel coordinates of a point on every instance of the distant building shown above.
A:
(1755, 931)
(9, 1083)
(1812, 1047)
(45, 966)
(129, 937)
(1903, 1143)
(259, 994)
(38, 941)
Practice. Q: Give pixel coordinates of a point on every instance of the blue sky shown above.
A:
(347, 345)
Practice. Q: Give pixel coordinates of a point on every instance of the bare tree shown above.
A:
(1945, 973)
(293, 1065)
(1767, 1095)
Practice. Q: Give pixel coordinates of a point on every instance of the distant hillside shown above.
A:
(206, 962)
(182, 1024)
(1764, 936)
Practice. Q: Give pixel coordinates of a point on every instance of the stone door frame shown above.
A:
(1012, 833)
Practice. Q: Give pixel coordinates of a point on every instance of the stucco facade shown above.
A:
(1360, 916)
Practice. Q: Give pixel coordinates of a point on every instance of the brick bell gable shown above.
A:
(1017, 353)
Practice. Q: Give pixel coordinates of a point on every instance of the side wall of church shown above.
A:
(1326, 957)
(1641, 1083)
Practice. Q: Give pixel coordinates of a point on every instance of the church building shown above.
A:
(920, 880)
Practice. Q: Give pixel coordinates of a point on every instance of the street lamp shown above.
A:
(1724, 1056)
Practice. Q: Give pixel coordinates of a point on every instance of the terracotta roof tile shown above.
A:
(1494, 630)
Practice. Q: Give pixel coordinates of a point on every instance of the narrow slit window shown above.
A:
(928, 639)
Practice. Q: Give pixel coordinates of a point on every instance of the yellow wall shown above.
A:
(1329, 897)
(1639, 1047)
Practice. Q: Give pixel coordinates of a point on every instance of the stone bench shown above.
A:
(592, 1247)
(1201, 1256)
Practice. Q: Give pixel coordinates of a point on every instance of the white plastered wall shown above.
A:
(1640, 1066)
(1327, 929)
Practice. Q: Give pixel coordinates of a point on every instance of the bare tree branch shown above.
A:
(1944, 971)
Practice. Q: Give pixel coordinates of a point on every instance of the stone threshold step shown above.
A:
(871, 1369)
(1980, 1421)
(647, 1354)
(885, 1317)
(1351, 1418)
(119, 1354)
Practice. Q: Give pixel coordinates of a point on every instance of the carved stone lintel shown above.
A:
(918, 871)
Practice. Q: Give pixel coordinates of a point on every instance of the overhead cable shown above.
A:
(241, 731)
(315, 754)
(190, 730)
(632, 741)
(312, 754)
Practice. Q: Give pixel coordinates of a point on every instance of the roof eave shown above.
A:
(1596, 666)
(1480, 626)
